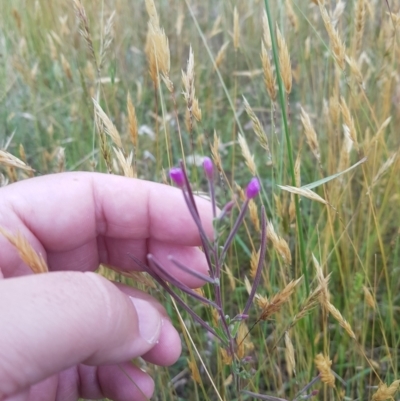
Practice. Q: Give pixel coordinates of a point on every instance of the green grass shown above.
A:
(356, 240)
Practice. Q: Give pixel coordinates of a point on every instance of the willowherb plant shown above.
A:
(228, 329)
(215, 255)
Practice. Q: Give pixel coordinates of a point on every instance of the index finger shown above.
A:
(65, 211)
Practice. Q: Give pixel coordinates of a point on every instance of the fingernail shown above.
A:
(149, 320)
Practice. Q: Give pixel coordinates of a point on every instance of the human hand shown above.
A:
(71, 333)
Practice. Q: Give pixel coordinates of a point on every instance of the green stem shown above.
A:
(282, 102)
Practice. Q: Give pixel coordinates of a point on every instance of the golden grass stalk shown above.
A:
(257, 128)
(322, 281)
(338, 316)
(84, 29)
(231, 278)
(253, 211)
(355, 70)
(242, 337)
(221, 55)
(307, 193)
(248, 157)
(291, 15)
(132, 121)
(226, 357)
(284, 61)
(108, 36)
(189, 91)
(280, 245)
(359, 24)
(152, 11)
(255, 256)
(194, 370)
(386, 393)
(66, 67)
(60, 157)
(109, 127)
(236, 29)
(125, 162)
(273, 306)
(337, 46)
(158, 55)
(289, 355)
(380, 131)
(266, 32)
(269, 77)
(311, 135)
(323, 364)
(384, 168)
(215, 152)
(138, 277)
(348, 120)
(26, 252)
(369, 298)
(7, 159)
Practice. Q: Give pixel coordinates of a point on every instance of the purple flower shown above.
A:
(177, 176)
(208, 167)
(253, 188)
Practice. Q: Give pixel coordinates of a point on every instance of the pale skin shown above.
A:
(71, 333)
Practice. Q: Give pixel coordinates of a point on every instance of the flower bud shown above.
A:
(208, 168)
(177, 176)
(253, 188)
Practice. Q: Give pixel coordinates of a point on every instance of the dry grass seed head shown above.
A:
(257, 127)
(338, 316)
(386, 393)
(311, 135)
(307, 193)
(236, 29)
(221, 55)
(323, 364)
(266, 31)
(215, 152)
(284, 61)
(125, 162)
(384, 168)
(253, 211)
(231, 278)
(289, 355)
(26, 252)
(158, 55)
(109, 127)
(152, 11)
(348, 120)
(369, 299)
(355, 70)
(280, 245)
(269, 77)
(337, 46)
(291, 15)
(275, 304)
(7, 159)
(226, 357)
(66, 67)
(255, 257)
(360, 9)
(297, 170)
(248, 157)
(108, 36)
(322, 280)
(194, 371)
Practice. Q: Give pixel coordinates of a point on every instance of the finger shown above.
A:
(57, 320)
(118, 253)
(163, 354)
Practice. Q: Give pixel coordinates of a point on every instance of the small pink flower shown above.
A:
(253, 188)
(177, 176)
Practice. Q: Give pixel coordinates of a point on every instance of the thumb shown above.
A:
(53, 321)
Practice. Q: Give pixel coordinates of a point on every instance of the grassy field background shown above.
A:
(323, 99)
